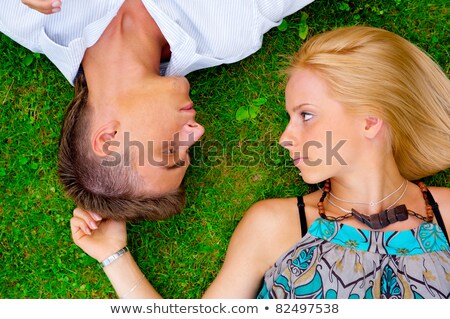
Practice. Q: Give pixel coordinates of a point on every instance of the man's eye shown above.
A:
(169, 151)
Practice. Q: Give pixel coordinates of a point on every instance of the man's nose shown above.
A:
(189, 134)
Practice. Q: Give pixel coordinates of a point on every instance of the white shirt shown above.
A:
(201, 33)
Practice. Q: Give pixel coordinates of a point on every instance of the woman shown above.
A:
(371, 232)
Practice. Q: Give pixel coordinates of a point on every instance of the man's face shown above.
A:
(157, 126)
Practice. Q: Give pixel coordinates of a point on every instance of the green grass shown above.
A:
(180, 256)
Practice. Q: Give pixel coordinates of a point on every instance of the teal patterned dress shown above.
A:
(334, 260)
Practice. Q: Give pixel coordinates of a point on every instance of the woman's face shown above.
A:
(323, 139)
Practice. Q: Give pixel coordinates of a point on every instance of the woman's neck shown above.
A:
(370, 191)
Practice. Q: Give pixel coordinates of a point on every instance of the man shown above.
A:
(124, 143)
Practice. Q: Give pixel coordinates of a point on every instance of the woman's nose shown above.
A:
(286, 139)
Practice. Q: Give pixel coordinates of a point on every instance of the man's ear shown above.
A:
(373, 126)
(104, 139)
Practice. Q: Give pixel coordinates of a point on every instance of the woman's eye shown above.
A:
(306, 116)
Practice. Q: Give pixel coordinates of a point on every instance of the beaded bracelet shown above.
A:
(113, 257)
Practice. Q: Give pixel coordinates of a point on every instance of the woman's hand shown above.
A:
(44, 6)
(97, 237)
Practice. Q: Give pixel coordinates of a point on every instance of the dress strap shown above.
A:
(437, 213)
(302, 215)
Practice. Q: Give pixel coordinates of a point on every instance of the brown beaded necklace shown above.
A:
(383, 219)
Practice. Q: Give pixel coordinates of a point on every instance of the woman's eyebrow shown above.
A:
(299, 106)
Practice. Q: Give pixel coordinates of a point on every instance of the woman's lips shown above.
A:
(298, 160)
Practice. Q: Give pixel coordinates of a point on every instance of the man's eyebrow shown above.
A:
(177, 164)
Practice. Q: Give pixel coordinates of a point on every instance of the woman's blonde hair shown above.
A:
(373, 71)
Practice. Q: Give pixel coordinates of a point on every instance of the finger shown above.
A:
(38, 4)
(44, 6)
(56, 6)
(79, 229)
(86, 216)
(84, 221)
(95, 216)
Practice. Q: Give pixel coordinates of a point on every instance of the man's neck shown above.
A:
(128, 51)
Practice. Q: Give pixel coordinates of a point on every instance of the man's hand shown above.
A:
(98, 238)
(44, 6)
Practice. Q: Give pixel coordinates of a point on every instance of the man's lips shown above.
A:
(188, 107)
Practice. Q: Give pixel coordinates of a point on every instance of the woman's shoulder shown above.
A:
(270, 211)
(442, 197)
(274, 224)
(273, 204)
(280, 217)
(440, 194)
(276, 207)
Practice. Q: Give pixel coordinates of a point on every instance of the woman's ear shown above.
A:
(104, 139)
(373, 126)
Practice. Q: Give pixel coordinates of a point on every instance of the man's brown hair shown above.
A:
(112, 192)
